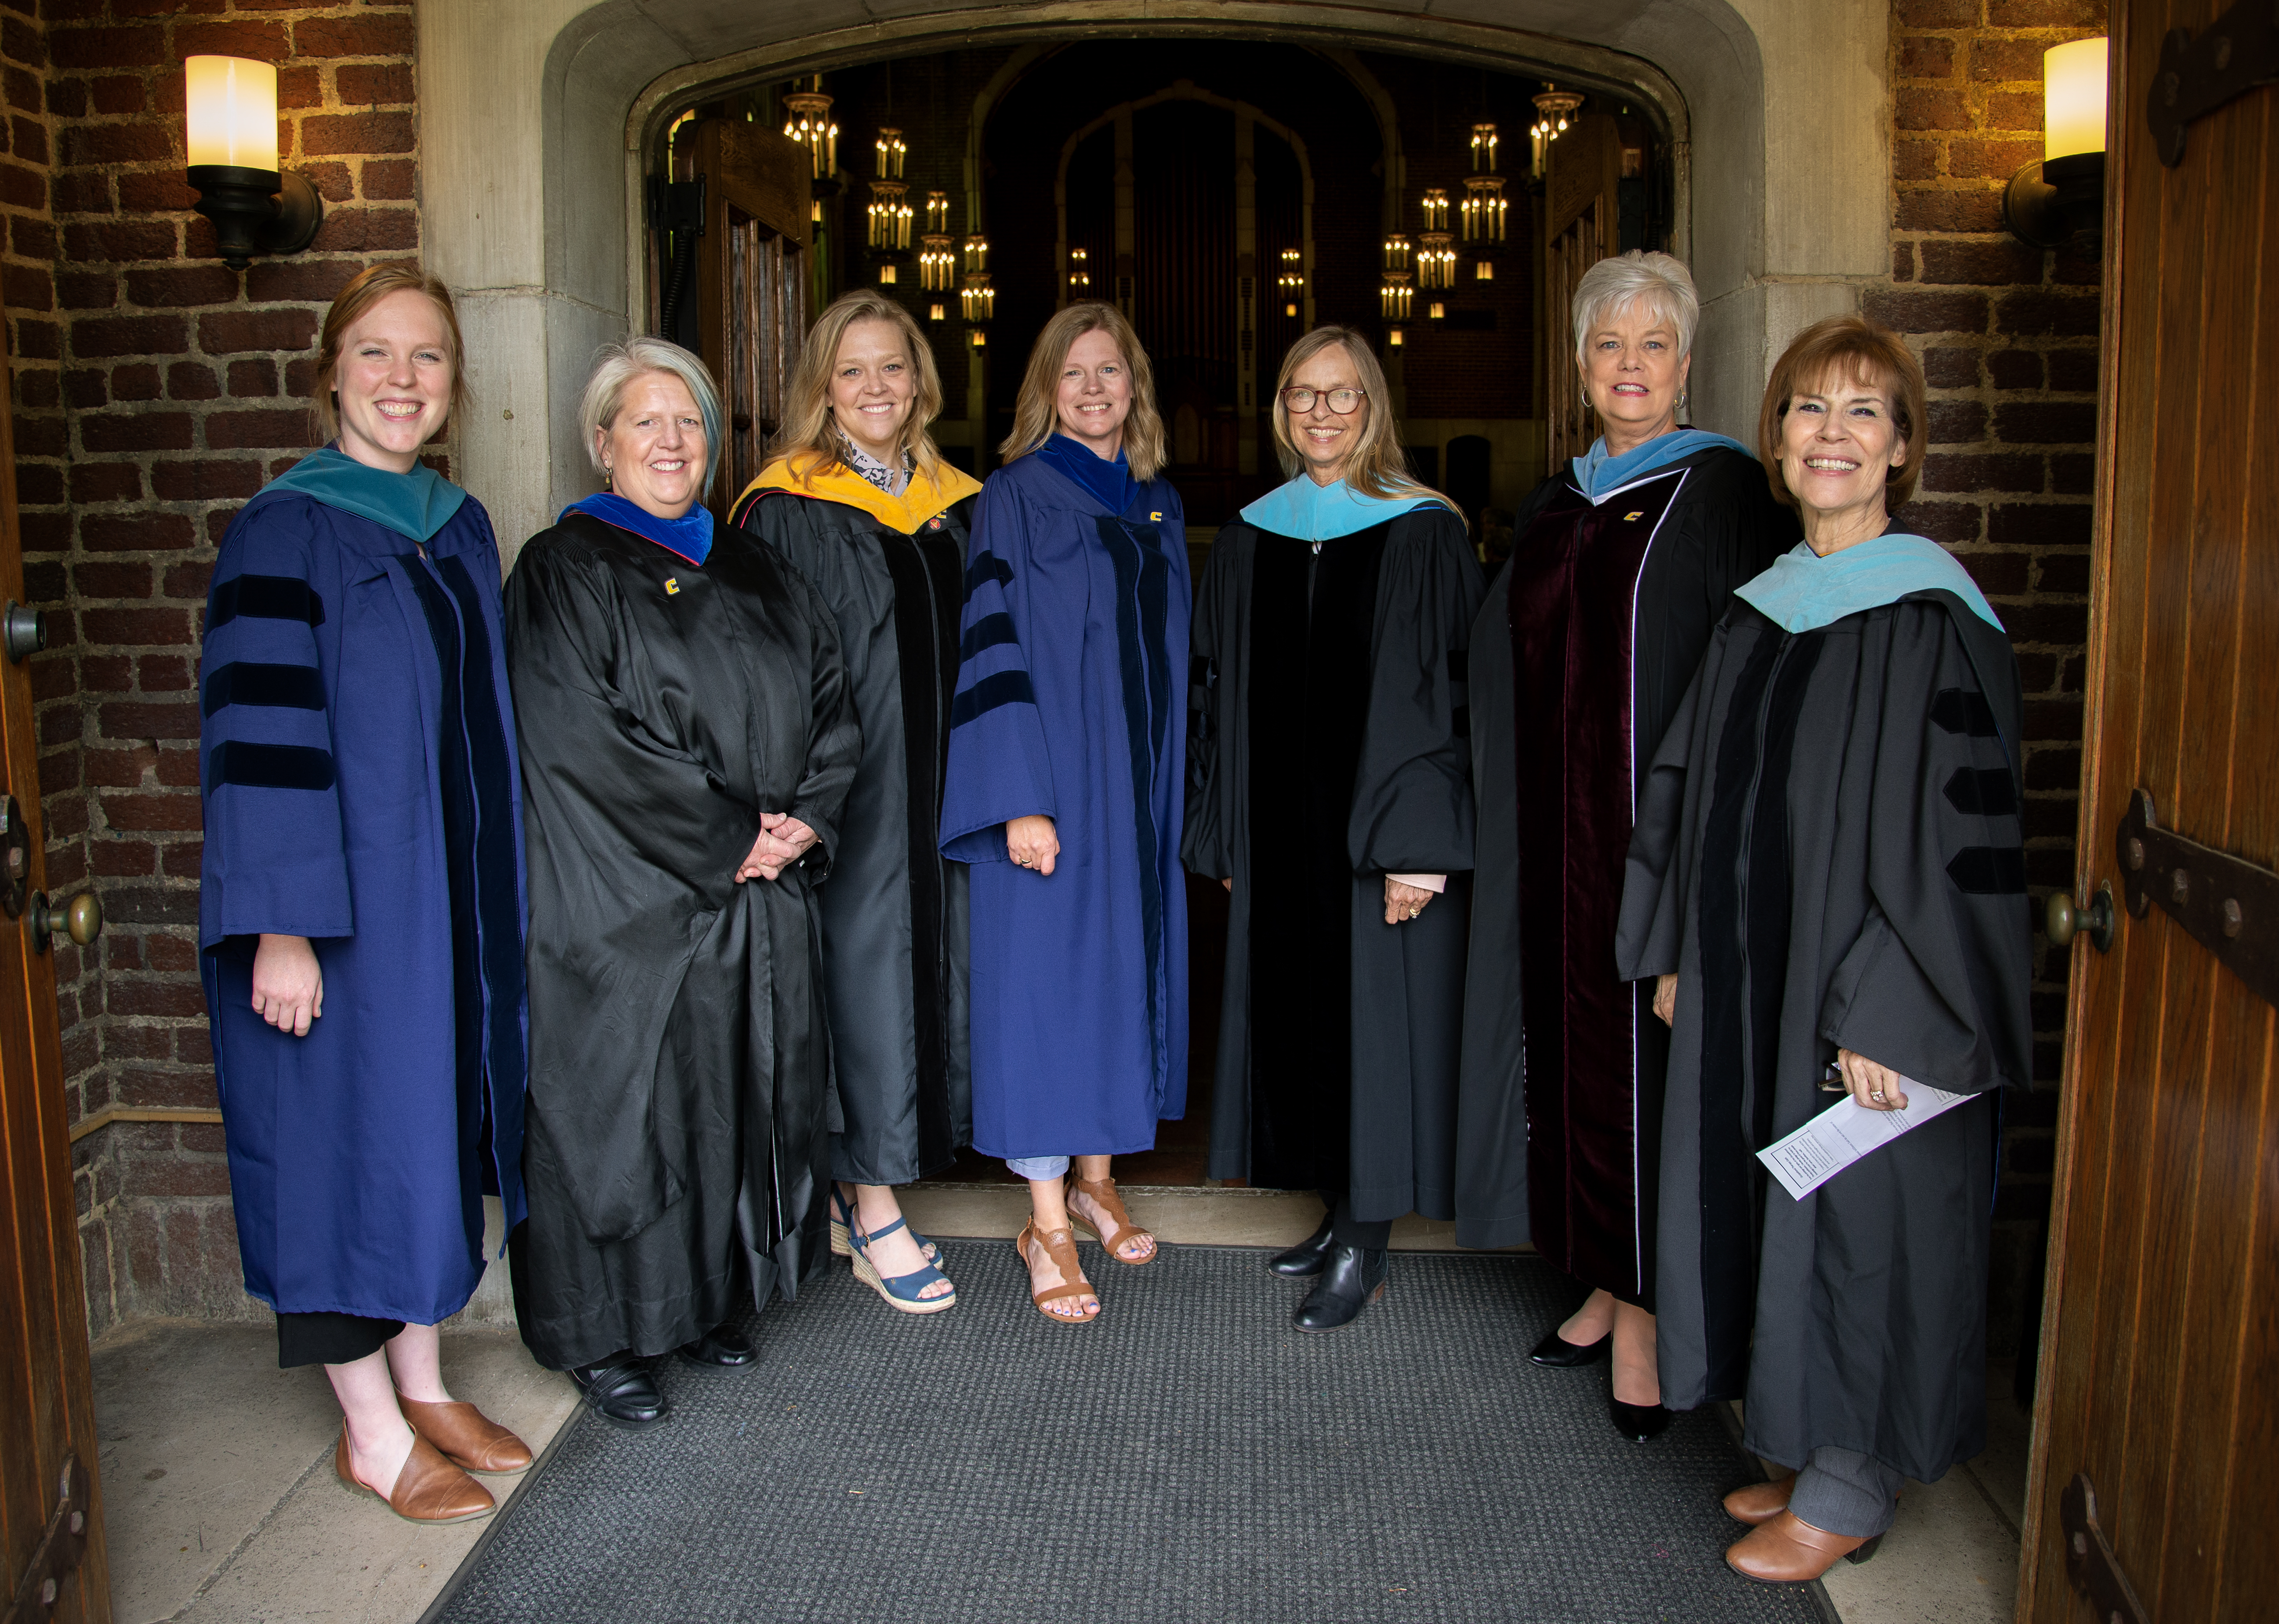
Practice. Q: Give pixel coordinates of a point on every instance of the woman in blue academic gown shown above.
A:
(360, 907)
(1063, 794)
(1330, 789)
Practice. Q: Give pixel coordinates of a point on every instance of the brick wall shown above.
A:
(2008, 338)
(155, 390)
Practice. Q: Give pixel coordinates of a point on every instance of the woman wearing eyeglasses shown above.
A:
(1329, 789)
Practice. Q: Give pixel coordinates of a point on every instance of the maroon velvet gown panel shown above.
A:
(1591, 1128)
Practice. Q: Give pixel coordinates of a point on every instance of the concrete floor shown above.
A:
(221, 1506)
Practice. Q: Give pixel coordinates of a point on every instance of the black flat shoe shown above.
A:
(1637, 1422)
(724, 1347)
(621, 1390)
(1308, 1256)
(1555, 1352)
(1350, 1282)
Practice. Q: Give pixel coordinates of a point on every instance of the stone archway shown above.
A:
(534, 114)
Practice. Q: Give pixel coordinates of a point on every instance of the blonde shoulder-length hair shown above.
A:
(810, 438)
(1037, 413)
(1376, 466)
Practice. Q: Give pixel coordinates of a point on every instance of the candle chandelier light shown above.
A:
(891, 154)
(1553, 108)
(1436, 209)
(1079, 272)
(937, 265)
(977, 299)
(890, 206)
(1484, 208)
(1292, 281)
(1484, 149)
(977, 253)
(936, 214)
(808, 121)
(1397, 250)
(1436, 261)
(1397, 297)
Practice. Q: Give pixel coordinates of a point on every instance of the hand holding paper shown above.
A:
(1839, 1136)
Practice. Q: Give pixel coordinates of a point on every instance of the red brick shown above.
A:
(2013, 110)
(86, 192)
(1989, 160)
(118, 144)
(1995, 60)
(1923, 109)
(2063, 573)
(36, 341)
(190, 581)
(243, 330)
(1927, 312)
(130, 768)
(25, 188)
(1903, 262)
(2033, 310)
(38, 484)
(204, 481)
(172, 953)
(153, 997)
(121, 239)
(1996, 263)
(136, 382)
(155, 191)
(300, 87)
(1915, 160)
(366, 86)
(1926, 57)
(2073, 370)
(137, 628)
(271, 280)
(1951, 369)
(123, 720)
(1954, 522)
(1946, 210)
(2046, 422)
(166, 674)
(373, 36)
(107, 47)
(152, 430)
(1949, 471)
(179, 769)
(1936, 13)
(1954, 422)
(180, 285)
(22, 89)
(106, 482)
(1998, 575)
(187, 380)
(367, 231)
(356, 134)
(301, 377)
(118, 95)
(2046, 14)
(264, 42)
(27, 288)
(136, 532)
(388, 179)
(238, 430)
(33, 239)
(2073, 476)
(253, 378)
(66, 97)
(333, 182)
(144, 1043)
(119, 578)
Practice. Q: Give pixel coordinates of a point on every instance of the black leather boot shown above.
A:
(1308, 1256)
(1350, 1282)
(621, 1390)
(724, 1347)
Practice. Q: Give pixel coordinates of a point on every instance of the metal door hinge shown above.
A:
(2229, 905)
(2234, 54)
(2095, 1570)
(58, 1555)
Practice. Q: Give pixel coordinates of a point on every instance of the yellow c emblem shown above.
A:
(1632, 518)
(1155, 517)
(671, 585)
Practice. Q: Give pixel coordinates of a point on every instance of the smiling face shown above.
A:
(654, 450)
(393, 381)
(1095, 395)
(1324, 439)
(1840, 441)
(872, 385)
(1633, 373)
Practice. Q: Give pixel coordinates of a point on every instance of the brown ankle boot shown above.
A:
(1790, 1551)
(1759, 1503)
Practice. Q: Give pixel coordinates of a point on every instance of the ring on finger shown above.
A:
(1876, 1095)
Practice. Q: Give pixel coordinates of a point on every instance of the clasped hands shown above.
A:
(1873, 1087)
(783, 841)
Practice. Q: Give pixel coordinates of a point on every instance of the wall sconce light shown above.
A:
(2046, 204)
(935, 312)
(1392, 339)
(256, 207)
(980, 336)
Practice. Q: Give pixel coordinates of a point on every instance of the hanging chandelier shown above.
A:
(1436, 261)
(977, 253)
(890, 206)
(1554, 109)
(1079, 273)
(1484, 209)
(808, 121)
(1292, 281)
(937, 265)
(891, 152)
(1396, 296)
(1396, 252)
(977, 300)
(937, 213)
(1436, 209)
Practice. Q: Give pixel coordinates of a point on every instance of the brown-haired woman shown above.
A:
(1827, 889)
(1330, 789)
(1066, 737)
(363, 839)
(859, 498)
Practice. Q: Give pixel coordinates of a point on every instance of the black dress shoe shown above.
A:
(621, 1390)
(724, 1347)
(1637, 1422)
(1555, 1352)
(1308, 1256)
(1350, 1282)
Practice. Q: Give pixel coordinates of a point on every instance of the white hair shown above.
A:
(1656, 280)
(615, 368)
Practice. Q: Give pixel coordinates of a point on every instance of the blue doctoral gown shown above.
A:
(1070, 703)
(359, 788)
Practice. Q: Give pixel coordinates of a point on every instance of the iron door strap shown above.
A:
(2095, 1571)
(59, 1552)
(2229, 905)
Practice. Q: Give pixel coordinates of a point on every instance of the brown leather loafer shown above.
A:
(429, 1488)
(1759, 1503)
(1788, 1550)
(466, 1437)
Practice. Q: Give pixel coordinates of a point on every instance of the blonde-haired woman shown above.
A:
(1332, 791)
(1066, 739)
(859, 498)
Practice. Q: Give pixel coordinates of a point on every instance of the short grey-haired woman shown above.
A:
(686, 744)
(1622, 564)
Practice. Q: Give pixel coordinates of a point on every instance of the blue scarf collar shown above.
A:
(1111, 483)
(416, 504)
(1312, 512)
(688, 537)
(1596, 473)
(1803, 590)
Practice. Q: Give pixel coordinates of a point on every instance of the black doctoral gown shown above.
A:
(1579, 658)
(894, 919)
(1829, 855)
(1326, 750)
(680, 1107)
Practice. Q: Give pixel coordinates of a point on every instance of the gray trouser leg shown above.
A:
(1841, 1491)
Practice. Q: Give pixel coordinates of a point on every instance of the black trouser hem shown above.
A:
(330, 1338)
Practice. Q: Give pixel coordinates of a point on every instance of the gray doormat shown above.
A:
(1188, 1459)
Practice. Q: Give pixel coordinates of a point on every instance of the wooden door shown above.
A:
(1581, 187)
(2159, 1356)
(751, 284)
(50, 1523)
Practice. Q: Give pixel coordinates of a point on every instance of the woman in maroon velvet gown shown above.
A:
(1623, 563)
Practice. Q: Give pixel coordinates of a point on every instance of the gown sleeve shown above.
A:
(275, 858)
(1649, 937)
(1412, 809)
(1937, 985)
(835, 737)
(998, 767)
(1213, 817)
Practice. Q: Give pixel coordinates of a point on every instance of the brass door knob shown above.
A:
(2061, 919)
(80, 919)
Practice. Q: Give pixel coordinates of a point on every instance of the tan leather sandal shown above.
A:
(1119, 1220)
(1059, 1246)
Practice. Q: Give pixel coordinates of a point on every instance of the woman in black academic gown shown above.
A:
(1623, 563)
(864, 506)
(686, 744)
(1828, 887)
(1329, 789)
